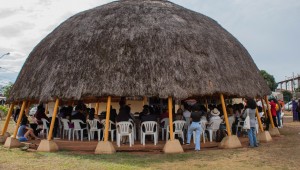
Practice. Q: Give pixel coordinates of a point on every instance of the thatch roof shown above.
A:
(138, 48)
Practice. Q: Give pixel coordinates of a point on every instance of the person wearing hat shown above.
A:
(195, 126)
(215, 115)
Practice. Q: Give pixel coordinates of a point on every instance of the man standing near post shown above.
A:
(195, 126)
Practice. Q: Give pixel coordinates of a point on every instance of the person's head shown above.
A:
(122, 101)
(215, 112)
(40, 106)
(196, 107)
(91, 114)
(24, 120)
(251, 103)
(179, 111)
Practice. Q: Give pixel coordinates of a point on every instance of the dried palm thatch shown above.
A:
(138, 48)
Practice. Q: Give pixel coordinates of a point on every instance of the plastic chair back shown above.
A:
(149, 126)
(124, 127)
(179, 125)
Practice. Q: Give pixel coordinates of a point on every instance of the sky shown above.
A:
(268, 29)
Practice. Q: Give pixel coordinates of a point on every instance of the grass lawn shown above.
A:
(282, 153)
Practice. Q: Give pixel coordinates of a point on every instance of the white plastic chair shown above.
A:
(179, 126)
(164, 128)
(150, 128)
(66, 128)
(94, 128)
(112, 131)
(45, 127)
(213, 127)
(77, 128)
(125, 129)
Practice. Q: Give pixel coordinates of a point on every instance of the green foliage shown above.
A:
(270, 80)
(287, 95)
(4, 109)
(297, 89)
(6, 89)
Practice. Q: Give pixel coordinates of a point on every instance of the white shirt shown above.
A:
(187, 114)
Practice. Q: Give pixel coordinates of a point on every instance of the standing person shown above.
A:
(298, 109)
(186, 115)
(273, 111)
(251, 110)
(195, 126)
(294, 107)
(278, 113)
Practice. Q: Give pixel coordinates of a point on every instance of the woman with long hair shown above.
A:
(251, 111)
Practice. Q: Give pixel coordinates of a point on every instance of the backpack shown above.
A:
(220, 134)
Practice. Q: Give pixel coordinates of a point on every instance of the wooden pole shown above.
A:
(11, 108)
(225, 115)
(145, 101)
(269, 111)
(46, 109)
(27, 108)
(170, 105)
(53, 119)
(107, 118)
(97, 108)
(19, 118)
(259, 121)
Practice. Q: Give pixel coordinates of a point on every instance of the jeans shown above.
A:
(252, 136)
(278, 118)
(195, 126)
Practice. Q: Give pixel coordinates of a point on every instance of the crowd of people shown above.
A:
(195, 116)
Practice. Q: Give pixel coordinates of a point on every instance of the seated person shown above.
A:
(24, 132)
(214, 116)
(147, 115)
(91, 116)
(79, 114)
(41, 114)
(124, 114)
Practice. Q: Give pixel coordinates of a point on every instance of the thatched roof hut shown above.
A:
(138, 48)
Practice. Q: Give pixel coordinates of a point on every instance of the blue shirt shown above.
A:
(21, 131)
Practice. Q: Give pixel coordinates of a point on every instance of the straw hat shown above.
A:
(215, 112)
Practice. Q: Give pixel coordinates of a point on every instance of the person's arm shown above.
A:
(244, 113)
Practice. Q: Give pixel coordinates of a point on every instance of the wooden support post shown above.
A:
(27, 108)
(269, 111)
(19, 119)
(46, 109)
(225, 115)
(206, 104)
(145, 101)
(107, 118)
(263, 106)
(259, 121)
(170, 106)
(11, 108)
(53, 119)
(97, 108)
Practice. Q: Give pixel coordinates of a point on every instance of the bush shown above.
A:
(4, 109)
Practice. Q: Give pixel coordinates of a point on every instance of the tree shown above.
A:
(6, 89)
(269, 79)
(287, 95)
(297, 89)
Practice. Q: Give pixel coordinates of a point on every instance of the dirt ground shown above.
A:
(282, 153)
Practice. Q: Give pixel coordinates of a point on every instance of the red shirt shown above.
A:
(273, 108)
